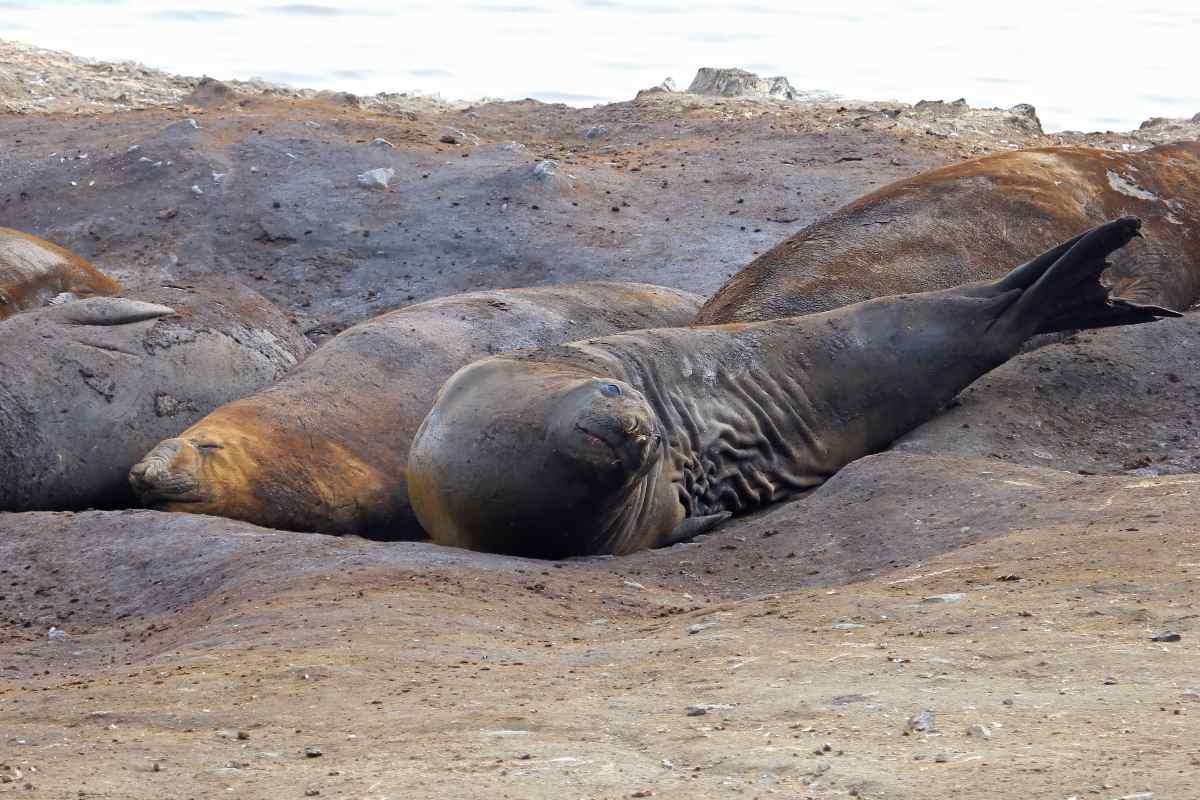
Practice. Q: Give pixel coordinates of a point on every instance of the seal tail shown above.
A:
(1060, 290)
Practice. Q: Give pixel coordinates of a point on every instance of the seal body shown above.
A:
(89, 385)
(34, 272)
(971, 221)
(636, 440)
(326, 448)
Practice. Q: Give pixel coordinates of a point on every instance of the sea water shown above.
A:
(1084, 65)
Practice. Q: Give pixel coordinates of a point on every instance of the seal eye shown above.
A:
(610, 390)
(208, 446)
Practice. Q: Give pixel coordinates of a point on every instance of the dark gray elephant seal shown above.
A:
(88, 386)
(326, 448)
(636, 440)
(34, 273)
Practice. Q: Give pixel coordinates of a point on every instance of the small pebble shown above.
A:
(1166, 636)
(313, 752)
(941, 758)
(951, 597)
(922, 722)
(980, 731)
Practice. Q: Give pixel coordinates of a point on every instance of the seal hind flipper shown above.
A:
(112, 311)
(1061, 289)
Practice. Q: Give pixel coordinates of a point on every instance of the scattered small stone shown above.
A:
(696, 711)
(1110, 681)
(191, 123)
(381, 142)
(1008, 701)
(846, 626)
(643, 793)
(168, 213)
(667, 764)
(448, 138)
(196, 189)
(311, 123)
(243, 736)
(311, 792)
(376, 178)
(1166, 636)
(525, 757)
(313, 752)
(922, 723)
(56, 633)
(700, 626)
(595, 132)
(633, 585)
(941, 758)
(979, 731)
(950, 597)
(156, 767)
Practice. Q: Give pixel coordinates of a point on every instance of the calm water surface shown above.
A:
(1085, 65)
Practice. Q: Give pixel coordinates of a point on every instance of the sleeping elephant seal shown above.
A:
(637, 440)
(89, 385)
(326, 448)
(972, 220)
(34, 272)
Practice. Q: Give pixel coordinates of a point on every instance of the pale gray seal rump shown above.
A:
(86, 387)
(636, 440)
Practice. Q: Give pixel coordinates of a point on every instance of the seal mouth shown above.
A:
(626, 446)
(157, 482)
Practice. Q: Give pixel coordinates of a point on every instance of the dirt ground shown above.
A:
(971, 614)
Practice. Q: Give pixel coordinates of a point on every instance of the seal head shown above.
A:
(588, 450)
(199, 472)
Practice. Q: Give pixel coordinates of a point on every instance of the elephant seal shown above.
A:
(637, 440)
(326, 448)
(972, 220)
(89, 385)
(34, 272)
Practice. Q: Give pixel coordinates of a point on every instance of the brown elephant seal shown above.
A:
(34, 272)
(89, 385)
(971, 221)
(637, 440)
(326, 448)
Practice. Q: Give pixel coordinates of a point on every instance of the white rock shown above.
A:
(376, 178)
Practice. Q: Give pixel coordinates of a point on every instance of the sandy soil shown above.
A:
(1003, 568)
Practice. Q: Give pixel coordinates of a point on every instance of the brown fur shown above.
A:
(973, 220)
(34, 271)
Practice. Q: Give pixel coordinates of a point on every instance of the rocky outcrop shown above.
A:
(740, 83)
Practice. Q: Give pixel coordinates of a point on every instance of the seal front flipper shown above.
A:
(111, 311)
(692, 527)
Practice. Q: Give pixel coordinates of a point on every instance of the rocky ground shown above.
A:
(981, 612)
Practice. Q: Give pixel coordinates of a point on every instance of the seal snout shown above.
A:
(166, 474)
